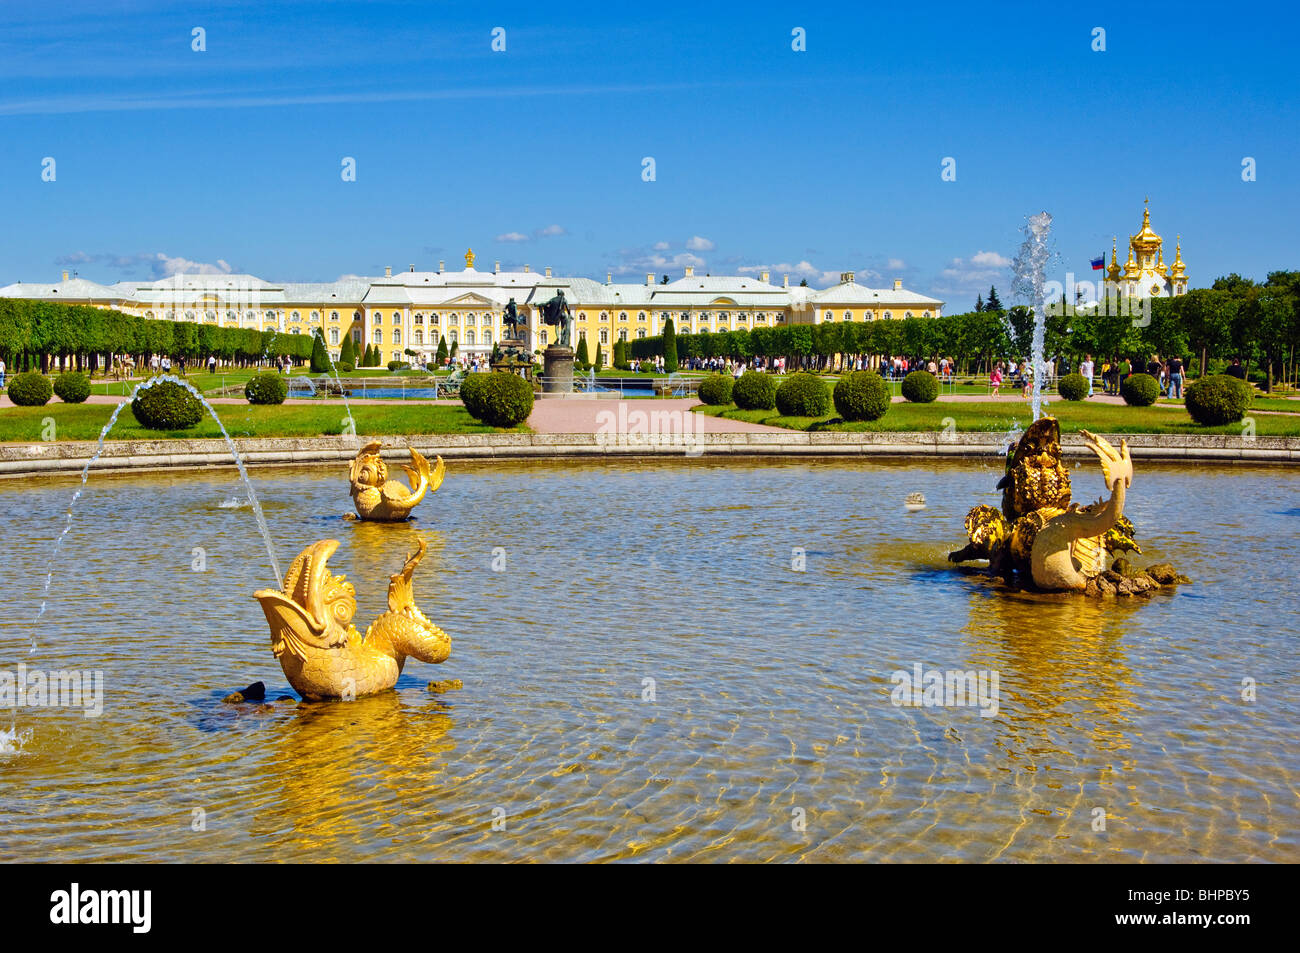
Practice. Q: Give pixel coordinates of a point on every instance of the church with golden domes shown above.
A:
(1145, 274)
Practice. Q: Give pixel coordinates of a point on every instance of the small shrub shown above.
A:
(1140, 390)
(755, 391)
(498, 398)
(31, 389)
(166, 406)
(399, 365)
(862, 395)
(72, 387)
(1218, 399)
(266, 389)
(803, 395)
(715, 390)
(1073, 387)
(345, 367)
(646, 367)
(920, 387)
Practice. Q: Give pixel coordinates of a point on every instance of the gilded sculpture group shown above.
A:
(1050, 543)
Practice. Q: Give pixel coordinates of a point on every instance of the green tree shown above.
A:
(347, 353)
(320, 358)
(670, 347)
(443, 353)
(994, 303)
(600, 357)
(582, 356)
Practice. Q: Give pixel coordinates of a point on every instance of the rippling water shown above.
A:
(771, 706)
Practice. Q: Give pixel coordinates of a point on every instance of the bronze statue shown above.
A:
(556, 313)
(511, 320)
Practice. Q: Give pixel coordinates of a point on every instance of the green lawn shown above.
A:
(85, 421)
(998, 417)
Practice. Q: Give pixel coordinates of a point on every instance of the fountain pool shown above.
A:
(646, 676)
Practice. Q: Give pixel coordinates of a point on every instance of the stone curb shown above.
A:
(71, 457)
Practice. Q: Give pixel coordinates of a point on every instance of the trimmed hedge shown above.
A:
(1218, 399)
(266, 388)
(755, 391)
(803, 395)
(1140, 390)
(345, 367)
(645, 367)
(166, 406)
(31, 389)
(399, 365)
(715, 390)
(72, 387)
(498, 398)
(1073, 387)
(920, 387)
(861, 395)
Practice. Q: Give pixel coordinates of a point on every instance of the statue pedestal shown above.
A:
(557, 369)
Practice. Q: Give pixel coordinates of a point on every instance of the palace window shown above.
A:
(379, 317)
(604, 316)
(908, 314)
(760, 318)
(231, 316)
(640, 316)
(622, 316)
(622, 334)
(295, 316)
(356, 335)
(433, 318)
(148, 314)
(451, 336)
(379, 336)
(397, 335)
(926, 314)
(419, 336)
(270, 315)
(487, 337)
(604, 335)
(315, 315)
(453, 320)
(542, 334)
(189, 315)
(640, 332)
(582, 334)
(419, 318)
(356, 315)
(469, 337)
(888, 315)
(334, 335)
(742, 318)
(334, 315)
(397, 355)
(397, 317)
(469, 321)
(848, 315)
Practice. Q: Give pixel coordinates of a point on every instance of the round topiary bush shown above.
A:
(166, 405)
(755, 391)
(1073, 387)
(72, 387)
(345, 367)
(31, 389)
(920, 387)
(399, 365)
(803, 395)
(861, 395)
(266, 388)
(498, 398)
(715, 390)
(1218, 399)
(1140, 390)
(645, 367)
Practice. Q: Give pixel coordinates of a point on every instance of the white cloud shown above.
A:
(510, 237)
(803, 270)
(155, 264)
(897, 264)
(660, 246)
(699, 243)
(989, 259)
(550, 231)
(640, 261)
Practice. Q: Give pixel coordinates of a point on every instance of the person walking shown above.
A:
(1085, 368)
(1176, 377)
(2, 372)
(995, 378)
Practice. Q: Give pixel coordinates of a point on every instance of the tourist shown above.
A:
(2, 372)
(212, 364)
(1157, 370)
(1085, 368)
(1125, 369)
(995, 379)
(1236, 370)
(1176, 377)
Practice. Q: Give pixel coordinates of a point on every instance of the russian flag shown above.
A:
(1099, 263)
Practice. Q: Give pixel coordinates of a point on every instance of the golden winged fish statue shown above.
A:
(378, 498)
(1041, 536)
(322, 653)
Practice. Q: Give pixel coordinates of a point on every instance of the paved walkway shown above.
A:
(581, 415)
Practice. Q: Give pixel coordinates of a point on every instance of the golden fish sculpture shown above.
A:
(322, 653)
(378, 498)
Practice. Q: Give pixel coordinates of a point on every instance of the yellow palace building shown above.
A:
(412, 310)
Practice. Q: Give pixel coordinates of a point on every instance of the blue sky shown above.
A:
(810, 162)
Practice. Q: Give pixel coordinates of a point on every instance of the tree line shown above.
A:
(1257, 323)
(49, 335)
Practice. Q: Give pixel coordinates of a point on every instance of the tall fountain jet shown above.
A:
(1029, 268)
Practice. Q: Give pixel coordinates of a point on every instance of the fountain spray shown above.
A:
(1029, 266)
